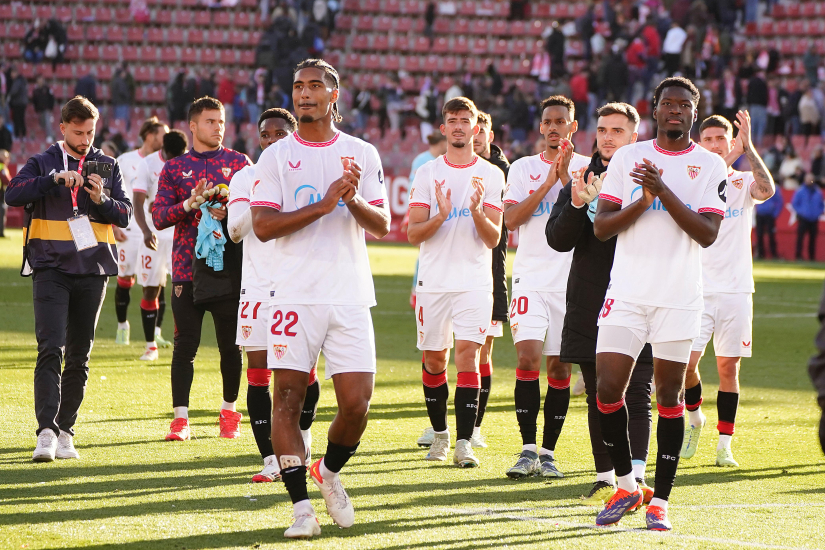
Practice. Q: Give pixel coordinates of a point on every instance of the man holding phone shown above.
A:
(71, 205)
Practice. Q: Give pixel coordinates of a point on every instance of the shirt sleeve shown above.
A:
(373, 190)
(239, 220)
(613, 180)
(492, 191)
(420, 193)
(514, 191)
(268, 193)
(167, 210)
(713, 200)
(141, 182)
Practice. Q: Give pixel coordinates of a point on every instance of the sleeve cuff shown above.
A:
(492, 206)
(419, 205)
(266, 204)
(610, 198)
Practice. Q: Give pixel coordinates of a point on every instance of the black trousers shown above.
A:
(18, 117)
(637, 399)
(66, 309)
(765, 225)
(188, 324)
(809, 227)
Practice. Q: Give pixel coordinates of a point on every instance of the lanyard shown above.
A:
(74, 190)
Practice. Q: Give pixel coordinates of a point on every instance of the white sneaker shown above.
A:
(477, 440)
(463, 455)
(426, 438)
(270, 473)
(151, 354)
(339, 506)
(46, 446)
(440, 449)
(304, 527)
(307, 437)
(65, 446)
(578, 388)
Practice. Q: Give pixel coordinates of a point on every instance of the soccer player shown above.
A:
(455, 215)
(181, 182)
(665, 199)
(570, 227)
(727, 275)
(253, 310)
(539, 285)
(816, 370)
(319, 190)
(128, 240)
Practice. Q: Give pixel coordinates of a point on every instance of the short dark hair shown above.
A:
(150, 126)
(561, 101)
(716, 121)
(618, 108)
(435, 138)
(330, 75)
(205, 103)
(175, 144)
(279, 113)
(676, 82)
(458, 104)
(485, 119)
(78, 108)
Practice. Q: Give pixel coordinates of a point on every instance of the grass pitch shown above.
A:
(133, 490)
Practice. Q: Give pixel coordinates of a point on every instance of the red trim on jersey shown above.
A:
(671, 412)
(610, 198)
(558, 384)
(712, 211)
(493, 206)
(419, 205)
(468, 380)
(608, 408)
(510, 201)
(527, 375)
(545, 159)
(674, 153)
(378, 202)
(239, 199)
(314, 144)
(268, 204)
(258, 377)
(451, 165)
(725, 428)
(433, 380)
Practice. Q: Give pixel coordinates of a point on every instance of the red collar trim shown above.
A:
(451, 165)
(674, 153)
(543, 158)
(314, 144)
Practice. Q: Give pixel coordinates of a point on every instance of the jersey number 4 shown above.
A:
(291, 319)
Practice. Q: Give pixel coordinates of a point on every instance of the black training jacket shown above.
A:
(497, 158)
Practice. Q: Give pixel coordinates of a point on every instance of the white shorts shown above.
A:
(496, 329)
(729, 318)
(538, 316)
(651, 324)
(154, 265)
(343, 333)
(253, 323)
(128, 252)
(440, 315)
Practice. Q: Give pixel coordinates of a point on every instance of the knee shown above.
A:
(528, 362)
(668, 396)
(609, 391)
(729, 370)
(558, 370)
(354, 411)
(435, 365)
(288, 400)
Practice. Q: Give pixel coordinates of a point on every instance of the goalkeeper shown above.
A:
(570, 227)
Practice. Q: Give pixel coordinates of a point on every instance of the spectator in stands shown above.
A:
(87, 86)
(520, 121)
(207, 86)
(636, 58)
(438, 147)
(728, 95)
(429, 21)
(809, 115)
(277, 99)
(808, 205)
(517, 9)
(810, 60)
(554, 44)
(34, 43)
(122, 91)
(175, 103)
(579, 93)
(757, 100)
(103, 135)
(226, 95)
(18, 99)
(110, 149)
(56, 41)
(672, 48)
(766, 215)
(256, 94)
(818, 165)
(190, 89)
(6, 139)
(790, 107)
(791, 171)
(5, 178)
(43, 102)
(775, 125)
(613, 75)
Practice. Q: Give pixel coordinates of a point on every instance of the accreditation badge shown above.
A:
(82, 232)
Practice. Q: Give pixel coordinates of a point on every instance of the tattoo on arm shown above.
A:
(761, 175)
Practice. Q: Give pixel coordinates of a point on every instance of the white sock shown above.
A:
(724, 442)
(227, 406)
(529, 447)
(444, 432)
(476, 430)
(151, 344)
(325, 473)
(628, 483)
(182, 412)
(547, 452)
(157, 331)
(123, 325)
(607, 477)
(659, 502)
(303, 508)
(695, 418)
(639, 469)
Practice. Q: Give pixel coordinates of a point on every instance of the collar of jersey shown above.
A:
(315, 144)
(545, 158)
(674, 153)
(206, 154)
(451, 165)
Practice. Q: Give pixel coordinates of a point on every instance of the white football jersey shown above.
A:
(129, 163)
(727, 264)
(455, 259)
(538, 267)
(146, 180)
(325, 262)
(258, 261)
(656, 262)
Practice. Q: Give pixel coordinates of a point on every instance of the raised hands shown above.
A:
(584, 193)
(650, 178)
(445, 205)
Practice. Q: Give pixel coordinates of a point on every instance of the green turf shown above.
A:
(133, 490)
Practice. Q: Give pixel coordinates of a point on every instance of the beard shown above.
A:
(458, 144)
(74, 149)
(306, 119)
(673, 135)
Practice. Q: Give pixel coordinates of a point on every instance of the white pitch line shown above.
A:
(555, 521)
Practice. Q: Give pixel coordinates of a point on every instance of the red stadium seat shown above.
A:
(540, 10)
(392, 6)
(461, 45)
(403, 24)
(72, 52)
(391, 63)
(462, 27)
(443, 26)
(383, 23)
(64, 13)
(169, 54)
(411, 63)
(156, 94)
(481, 27)
(134, 34)
(243, 19)
(103, 15)
(792, 10)
(421, 44)
(247, 57)
(381, 43)
(227, 57)
(467, 9)
(337, 41)
(519, 46)
(364, 23)
(130, 53)
(371, 6)
(236, 38)
(65, 71)
(432, 63)
(480, 46)
(13, 50)
(91, 52)
(352, 61)
(441, 45)
(190, 55)
(26, 13)
(104, 72)
(143, 73)
(184, 17)
(372, 62)
(149, 54)
(203, 18)
(156, 36)
(16, 31)
(536, 28)
(221, 19)
(342, 22)
(123, 16)
(162, 74)
(798, 28)
(6, 12)
(518, 28)
(361, 42)
(208, 55)
(110, 53)
(84, 13)
(163, 17)
(215, 37)
(401, 44)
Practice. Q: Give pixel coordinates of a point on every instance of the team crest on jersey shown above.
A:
(294, 167)
(246, 332)
(420, 336)
(738, 183)
(693, 171)
(477, 182)
(535, 178)
(227, 171)
(187, 174)
(145, 276)
(279, 350)
(178, 290)
(514, 328)
(345, 159)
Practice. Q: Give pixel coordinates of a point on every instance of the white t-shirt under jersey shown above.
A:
(455, 259)
(129, 163)
(146, 180)
(656, 262)
(727, 264)
(325, 262)
(537, 266)
(258, 260)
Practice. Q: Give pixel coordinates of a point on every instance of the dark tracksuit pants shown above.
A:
(816, 369)
(66, 309)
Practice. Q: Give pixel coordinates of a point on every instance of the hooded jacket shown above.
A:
(500, 304)
(49, 240)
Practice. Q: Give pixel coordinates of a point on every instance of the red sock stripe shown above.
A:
(486, 369)
(671, 412)
(125, 282)
(468, 380)
(609, 408)
(725, 428)
(259, 377)
(558, 384)
(433, 380)
(693, 407)
(313, 376)
(527, 375)
(149, 305)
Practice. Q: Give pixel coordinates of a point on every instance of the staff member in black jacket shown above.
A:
(570, 227)
(70, 250)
